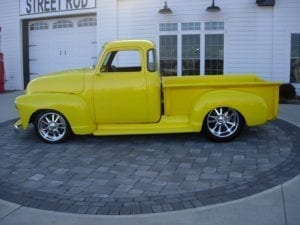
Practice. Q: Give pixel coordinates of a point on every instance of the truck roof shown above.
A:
(144, 44)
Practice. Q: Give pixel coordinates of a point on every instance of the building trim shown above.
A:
(25, 52)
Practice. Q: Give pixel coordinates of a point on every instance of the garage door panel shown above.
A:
(61, 44)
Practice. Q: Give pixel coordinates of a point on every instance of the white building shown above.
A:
(42, 36)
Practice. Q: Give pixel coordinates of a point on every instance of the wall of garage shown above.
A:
(256, 39)
(11, 44)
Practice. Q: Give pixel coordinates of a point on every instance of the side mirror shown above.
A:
(104, 68)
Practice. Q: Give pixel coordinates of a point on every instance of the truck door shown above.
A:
(120, 89)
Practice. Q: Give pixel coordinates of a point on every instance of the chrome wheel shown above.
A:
(223, 124)
(51, 127)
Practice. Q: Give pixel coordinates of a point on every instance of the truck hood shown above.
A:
(70, 81)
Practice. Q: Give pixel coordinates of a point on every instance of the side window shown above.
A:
(122, 61)
(151, 60)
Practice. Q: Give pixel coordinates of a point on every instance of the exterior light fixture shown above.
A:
(213, 7)
(165, 9)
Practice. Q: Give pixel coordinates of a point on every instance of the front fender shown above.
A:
(73, 107)
(252, 107)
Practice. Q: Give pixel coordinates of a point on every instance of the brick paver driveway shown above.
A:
(144, 174)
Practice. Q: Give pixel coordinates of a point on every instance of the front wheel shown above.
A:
(51, 127)
(223, 124)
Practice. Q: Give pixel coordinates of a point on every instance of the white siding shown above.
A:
(140, 19)
(287, 21)
(241, 32)
(142, 25)
(257, 39)
(107, 21)
(11, 44)
(250, 39)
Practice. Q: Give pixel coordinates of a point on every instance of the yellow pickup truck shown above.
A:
(125, 94)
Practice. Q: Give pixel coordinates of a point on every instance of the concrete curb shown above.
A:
(251, 210)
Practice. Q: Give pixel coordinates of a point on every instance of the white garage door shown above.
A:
(60, 44)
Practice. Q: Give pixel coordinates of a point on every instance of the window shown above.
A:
(168, 54)
(214, 54)
(190, 54)
(191, 48)
(214, 25)
(62, 24)
(168, 27)
(190, 26)
(39, 26)
(122, 61)
(87, 22)
(295, 58)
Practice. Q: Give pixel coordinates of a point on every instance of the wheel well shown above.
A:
(36, 113)
(241, 115)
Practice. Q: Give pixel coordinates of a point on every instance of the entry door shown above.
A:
(60, 44)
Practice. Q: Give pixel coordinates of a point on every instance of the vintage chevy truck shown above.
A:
(125, 94)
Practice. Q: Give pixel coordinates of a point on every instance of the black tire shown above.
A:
(223, 124)
(51, 127)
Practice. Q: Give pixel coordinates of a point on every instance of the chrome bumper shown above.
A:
(17, 126)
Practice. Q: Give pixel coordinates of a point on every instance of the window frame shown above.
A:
(291, 58)
(170, 59)
(38, 25)
(62, 24)
(218, 58)
(202, 32)
(110, 56)
(190, 58)
(87, 22)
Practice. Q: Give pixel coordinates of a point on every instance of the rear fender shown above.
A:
(252, 107)
(73, 107)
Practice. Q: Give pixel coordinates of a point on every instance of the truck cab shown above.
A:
(130, 71)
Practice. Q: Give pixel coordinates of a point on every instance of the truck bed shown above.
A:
(181, 92)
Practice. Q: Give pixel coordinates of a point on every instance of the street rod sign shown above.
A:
(28, 7)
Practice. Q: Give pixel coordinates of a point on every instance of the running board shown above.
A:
(171, 124)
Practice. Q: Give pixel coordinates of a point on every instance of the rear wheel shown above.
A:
(223, 124)
(51, 127)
